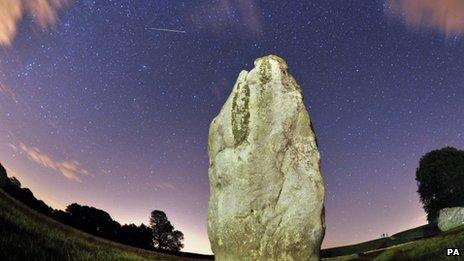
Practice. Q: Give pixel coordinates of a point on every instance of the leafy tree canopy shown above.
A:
(160, 234)
(164, 235)
(440, 180)
(3, 176)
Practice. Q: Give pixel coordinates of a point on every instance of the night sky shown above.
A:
(104, 107)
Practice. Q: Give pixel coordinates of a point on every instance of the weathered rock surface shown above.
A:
(267, 191)
(450, 218)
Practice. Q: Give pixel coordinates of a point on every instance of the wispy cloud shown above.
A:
(164, 186)
(223, 14)
(444, 15)
(44, 12)
(4, 89)
(71, 169)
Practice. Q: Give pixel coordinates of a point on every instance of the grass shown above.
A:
(396, 239)
(28, 235)
(432, 248)
(426, 249)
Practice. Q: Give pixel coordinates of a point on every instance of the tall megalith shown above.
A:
(267, 191)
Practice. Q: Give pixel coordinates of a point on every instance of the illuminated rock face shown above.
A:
(450, 218)
(267, 191)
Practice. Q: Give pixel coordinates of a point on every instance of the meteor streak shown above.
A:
(167, 30)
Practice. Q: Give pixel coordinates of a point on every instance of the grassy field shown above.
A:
(396, 239)
(432, 248)
(28, 235)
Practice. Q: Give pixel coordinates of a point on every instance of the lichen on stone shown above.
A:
(241, 113)
(265, 75)
(267, 191)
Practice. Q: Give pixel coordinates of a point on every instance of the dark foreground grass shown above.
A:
(28, 235)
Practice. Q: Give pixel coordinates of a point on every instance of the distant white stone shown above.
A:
(267, 191)
(450, 218)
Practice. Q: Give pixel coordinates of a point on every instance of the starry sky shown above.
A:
(101, 104)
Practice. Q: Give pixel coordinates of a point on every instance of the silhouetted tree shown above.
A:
(161, 234)
(15, 182)
(12, 187)
(137, 236)
(93, 220)
(3, 176)
(62, 216)
(164, 235)
(440, 180)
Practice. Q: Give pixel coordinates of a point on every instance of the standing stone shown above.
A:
(267, 191)
(450, 218)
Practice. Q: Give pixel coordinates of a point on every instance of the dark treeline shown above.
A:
(160, 235)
